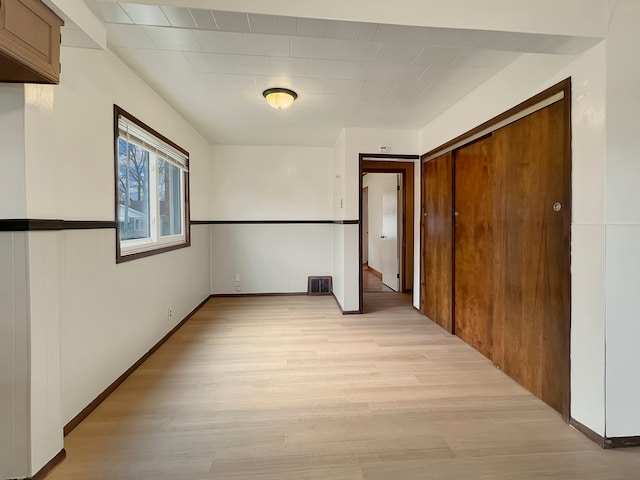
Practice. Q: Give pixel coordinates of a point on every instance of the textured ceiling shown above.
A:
(212, 66)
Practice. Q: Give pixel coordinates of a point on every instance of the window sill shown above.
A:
(148, 253)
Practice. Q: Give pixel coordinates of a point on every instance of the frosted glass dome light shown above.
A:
(280, 98)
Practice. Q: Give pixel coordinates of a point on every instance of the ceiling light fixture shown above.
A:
(280, 98)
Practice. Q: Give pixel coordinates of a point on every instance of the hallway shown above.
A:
(279, 388)
(377, 296)
(372, 281)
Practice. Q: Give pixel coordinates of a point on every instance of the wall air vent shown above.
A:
(319, 286)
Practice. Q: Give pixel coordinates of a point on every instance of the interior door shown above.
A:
(390, 264)
(437, 241)
(473, 292)
(365, 225)
(533, 213)
(511, 249)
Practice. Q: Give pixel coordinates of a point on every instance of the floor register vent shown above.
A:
(319, 286)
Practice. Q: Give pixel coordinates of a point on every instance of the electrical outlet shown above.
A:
(237, 277)
(169, 313)
(238, 288)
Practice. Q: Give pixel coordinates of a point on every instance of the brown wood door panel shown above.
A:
(437, 241)
(530, 329)
(473, 294)
(514, 302)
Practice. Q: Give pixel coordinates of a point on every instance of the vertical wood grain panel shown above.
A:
(473, 293)
(437, 241)
(530, 329)
(520, 281)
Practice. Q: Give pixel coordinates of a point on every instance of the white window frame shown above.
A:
(135, 132)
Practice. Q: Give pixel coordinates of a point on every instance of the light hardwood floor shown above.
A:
(284, 388)
(372, 282)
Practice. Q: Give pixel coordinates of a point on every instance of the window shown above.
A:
(152, 185)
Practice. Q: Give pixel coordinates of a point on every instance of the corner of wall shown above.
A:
(13, 193)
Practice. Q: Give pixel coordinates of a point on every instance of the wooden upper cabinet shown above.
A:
(29, 42)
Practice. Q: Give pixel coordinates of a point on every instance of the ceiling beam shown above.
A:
(585, 18)
(82, 17)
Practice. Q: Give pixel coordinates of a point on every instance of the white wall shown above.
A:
(44, 341)
(525, 77)
(337, 267)
(352, 267)
(623, 222)
(270, 183)
(33, 325)
(269, 258)
(14, 356)
(417, 243)
(339, 152)
(42, 170)
(623, 331)
(369, 140)
(13, 195)
(126, 317)
(86, 319)
(111, 315)
(69, 130)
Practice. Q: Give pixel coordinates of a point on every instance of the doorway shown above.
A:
(365, 227)
(381, 226)
(402, 166)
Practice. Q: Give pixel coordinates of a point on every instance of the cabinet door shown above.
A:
(29, 42)
(531, 318)
(437, 240)
(474, 185)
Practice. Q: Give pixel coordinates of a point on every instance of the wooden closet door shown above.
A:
(473, 304)
(437, 240)
(531, 316)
